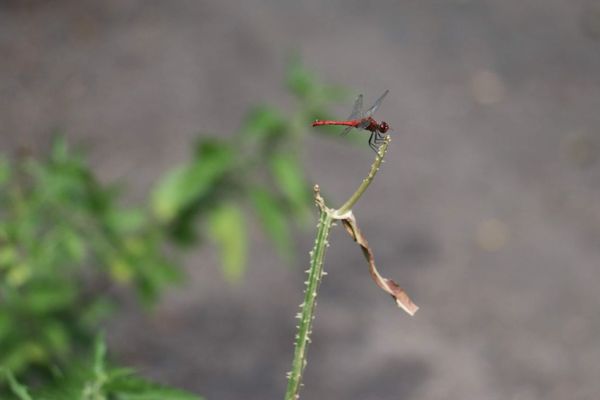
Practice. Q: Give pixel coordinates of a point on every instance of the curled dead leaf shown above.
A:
(388, 285)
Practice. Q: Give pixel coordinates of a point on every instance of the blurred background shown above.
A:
(487, 209)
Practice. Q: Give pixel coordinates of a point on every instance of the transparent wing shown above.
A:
(376, 105)
(358, 107)
(345, 131)
(364, 124)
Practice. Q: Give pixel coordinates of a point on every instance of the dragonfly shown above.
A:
(360, 119)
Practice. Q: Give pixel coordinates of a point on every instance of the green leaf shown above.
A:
(129, 387)
(95, 380)
(60, 150)
(126, 221)
(228, 230)
(18, 275)
(20, 354)
(100, 308)
(18, 390)
(299, 80)
(6, 326)
(121, 271)
(188, 183)
(153, 275)
(8, 256)
(57, 336)
(289, 178)
(100, 357)
(74, 245)
(174, 192)
(45, 297)
(264, 121)
(305, 85)
(273, 220)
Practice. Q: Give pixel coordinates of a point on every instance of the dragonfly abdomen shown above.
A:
(353, 123)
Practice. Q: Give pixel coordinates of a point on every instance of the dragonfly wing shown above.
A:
(345, 131)
(363, 125)
(376, 105)
(357, 110)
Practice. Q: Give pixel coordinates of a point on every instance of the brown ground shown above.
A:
(487, 210)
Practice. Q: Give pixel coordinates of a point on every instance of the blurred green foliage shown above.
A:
(67, 243)
(258, 168)
(95, 379)
(64, 244)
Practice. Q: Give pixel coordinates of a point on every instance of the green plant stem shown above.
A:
(315, 273)
(347, 206)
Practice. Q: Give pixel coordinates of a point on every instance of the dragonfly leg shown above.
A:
(379, 137)
(372, 144)
(375, 141)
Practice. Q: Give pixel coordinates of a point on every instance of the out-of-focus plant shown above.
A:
(64, 244)
(257, 168)
(66, 241)
(95, 379)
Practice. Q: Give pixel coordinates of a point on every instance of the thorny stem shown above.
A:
(315, 273)
(306, 316)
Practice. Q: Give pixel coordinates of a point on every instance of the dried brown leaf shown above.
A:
(388, 285)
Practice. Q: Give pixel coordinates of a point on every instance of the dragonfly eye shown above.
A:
(383, 127)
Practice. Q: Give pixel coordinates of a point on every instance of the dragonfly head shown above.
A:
(383, 127)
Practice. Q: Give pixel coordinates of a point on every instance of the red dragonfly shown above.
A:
(360, 119)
